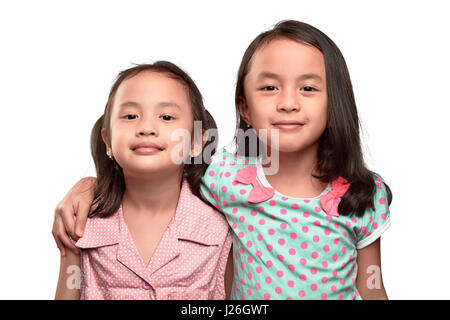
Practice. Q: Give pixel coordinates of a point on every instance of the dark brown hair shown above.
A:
(339, 151)
(110, 180)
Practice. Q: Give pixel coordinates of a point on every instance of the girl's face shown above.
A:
(285, 89)
(147, 109)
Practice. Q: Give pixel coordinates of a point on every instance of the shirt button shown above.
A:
(145, 285)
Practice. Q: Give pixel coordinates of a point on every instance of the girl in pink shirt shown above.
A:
(148, 235)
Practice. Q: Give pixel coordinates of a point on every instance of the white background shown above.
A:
(58, 60)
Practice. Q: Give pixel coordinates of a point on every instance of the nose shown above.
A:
(288, 102)
(288, 107)
(147, 128)
(147, 132)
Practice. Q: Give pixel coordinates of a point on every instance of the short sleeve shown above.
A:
(376, 220)
(209, 186)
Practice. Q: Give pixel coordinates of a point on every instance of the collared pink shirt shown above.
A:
(189, 262)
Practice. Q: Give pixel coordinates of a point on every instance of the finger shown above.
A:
(82, 216)
(63, 237)
(67, 243)
(59, 244)
(67, 216)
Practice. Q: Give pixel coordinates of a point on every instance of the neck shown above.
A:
(297, 168)
(152, 195)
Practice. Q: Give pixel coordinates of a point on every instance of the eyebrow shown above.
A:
(306, 76)
(162, 104)
(129, 104)
(168, 104)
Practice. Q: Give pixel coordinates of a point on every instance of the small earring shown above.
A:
(108, 153)
(248, 126)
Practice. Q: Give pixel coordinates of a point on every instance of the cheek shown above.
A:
(318, 113)
(176, 134)
(119, 138)
(179, 140)
(322, 119)
(256, 107)
(260, 114)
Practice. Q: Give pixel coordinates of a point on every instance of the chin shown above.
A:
(140, 171)
(147, 165)
(290, 147)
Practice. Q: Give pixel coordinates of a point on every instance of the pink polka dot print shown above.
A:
(112, 267)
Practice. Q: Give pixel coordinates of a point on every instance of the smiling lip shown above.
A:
(288, 125)
(146, 148)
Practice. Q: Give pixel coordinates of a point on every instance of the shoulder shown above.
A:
(377, 178)
(209, 217)
(223, 156)
(381, 199)
(201, 220)
(227, 160)
(201, 214)
(100, 232)
(382, 191)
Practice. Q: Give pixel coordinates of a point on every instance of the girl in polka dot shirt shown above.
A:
(306, 213)
(149, 235)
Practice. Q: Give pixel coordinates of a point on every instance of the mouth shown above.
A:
(146, 148)
(288, 125)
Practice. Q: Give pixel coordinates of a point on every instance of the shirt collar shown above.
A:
(193, 220)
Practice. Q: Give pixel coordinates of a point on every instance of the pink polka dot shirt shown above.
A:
(189, 262)
(289, 248)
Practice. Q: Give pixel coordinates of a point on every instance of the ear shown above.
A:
(243, 110)
(106, 142)
(197, 147)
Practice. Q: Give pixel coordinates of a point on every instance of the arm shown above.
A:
(76, 203)
(229, 275)
(369, 281)
(69, 281)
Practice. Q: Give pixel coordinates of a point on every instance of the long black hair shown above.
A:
(339, 152)
(110, 180)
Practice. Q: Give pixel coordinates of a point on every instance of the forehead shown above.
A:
(287, 57)
(149, 87)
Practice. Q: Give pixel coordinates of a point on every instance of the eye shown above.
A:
(130, 116)
(308, 89)
(166, 117)
(269, 88)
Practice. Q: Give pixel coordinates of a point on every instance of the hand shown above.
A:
(76, 203)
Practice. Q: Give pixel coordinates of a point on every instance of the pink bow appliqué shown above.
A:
(330, 200)
(258, 193)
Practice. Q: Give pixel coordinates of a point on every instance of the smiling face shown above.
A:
(285, 89)
(148, 108)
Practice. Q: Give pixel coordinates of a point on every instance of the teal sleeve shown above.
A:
(210, 183)
(376, 220)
